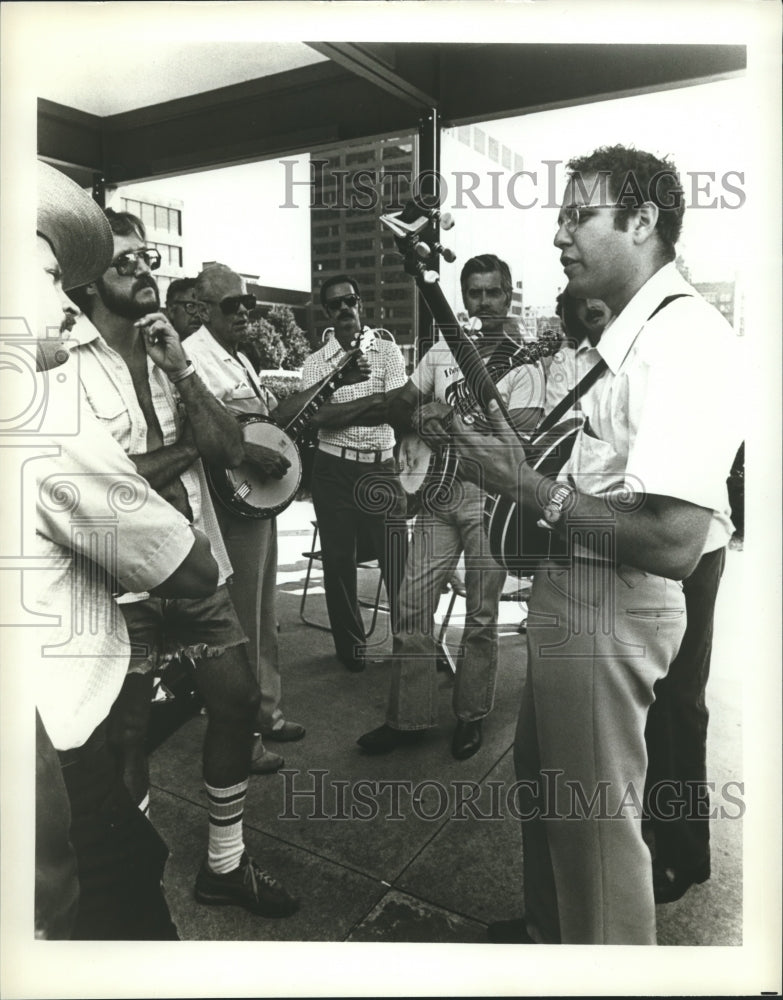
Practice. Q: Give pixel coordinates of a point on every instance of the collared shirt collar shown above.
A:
(621, 331)
(332, 346)
(85, 332)
(210, 339)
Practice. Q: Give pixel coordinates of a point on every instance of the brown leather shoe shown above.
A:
(289, 732)
(267, 763)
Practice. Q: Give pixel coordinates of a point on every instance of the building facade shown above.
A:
(162, 218)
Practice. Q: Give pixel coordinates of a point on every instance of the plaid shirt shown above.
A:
(387, 373)
(108, 388)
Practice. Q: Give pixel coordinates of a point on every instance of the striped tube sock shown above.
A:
(226, 809)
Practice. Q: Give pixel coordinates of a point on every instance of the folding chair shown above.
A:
(316, 555)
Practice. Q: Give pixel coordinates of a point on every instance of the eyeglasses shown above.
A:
(191, 307)
(126, 263)
(572, 215)
(336, 303)
(231, 303)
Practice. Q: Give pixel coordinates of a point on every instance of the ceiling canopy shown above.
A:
(199, 104)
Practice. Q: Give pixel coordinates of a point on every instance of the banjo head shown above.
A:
(244, 492)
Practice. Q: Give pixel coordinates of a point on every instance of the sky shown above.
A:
(234, 214)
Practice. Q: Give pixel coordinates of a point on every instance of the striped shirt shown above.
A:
(108, 388)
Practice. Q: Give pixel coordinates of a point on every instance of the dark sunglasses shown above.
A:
(336, 303)
(231, 303)
(191, 308)
(126, 263)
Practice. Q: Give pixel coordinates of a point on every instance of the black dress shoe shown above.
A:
(467, 739)
(355, 664)
(384, 739)
(670, 884)
(509, 932)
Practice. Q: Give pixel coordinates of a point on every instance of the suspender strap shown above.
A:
(251, 379)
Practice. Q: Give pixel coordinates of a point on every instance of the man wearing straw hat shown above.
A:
(97, 525)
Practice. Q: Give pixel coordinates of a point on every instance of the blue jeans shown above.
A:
(437, 543)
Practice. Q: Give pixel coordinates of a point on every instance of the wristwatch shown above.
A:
(557, 500)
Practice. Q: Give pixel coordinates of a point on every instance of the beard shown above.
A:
(126, 305)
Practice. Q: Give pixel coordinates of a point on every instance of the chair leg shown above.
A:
(440, 641)
(376, 607)
(312, 557)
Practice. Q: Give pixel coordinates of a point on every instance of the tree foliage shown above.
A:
(274, 339)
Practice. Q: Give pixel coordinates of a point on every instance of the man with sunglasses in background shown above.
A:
(639, 500)
(251, 542)
(144, 390)
(183, 309)
(355, 484)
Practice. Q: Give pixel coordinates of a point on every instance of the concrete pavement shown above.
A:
(401, 857)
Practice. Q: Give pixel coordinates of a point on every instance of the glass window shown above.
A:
(161, 218)
(359, 244)
(147, 214)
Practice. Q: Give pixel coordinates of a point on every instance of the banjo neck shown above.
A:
(320, 392)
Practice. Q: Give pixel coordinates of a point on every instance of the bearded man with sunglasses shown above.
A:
(355, 484)
(147, 393)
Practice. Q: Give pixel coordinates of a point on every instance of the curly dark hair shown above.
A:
(635, 177)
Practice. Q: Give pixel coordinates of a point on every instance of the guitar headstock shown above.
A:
(415, 231)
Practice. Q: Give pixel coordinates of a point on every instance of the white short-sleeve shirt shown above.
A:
(438, 370)
(94, 512)
(667, 416)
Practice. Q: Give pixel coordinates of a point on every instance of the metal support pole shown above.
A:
(427, 187)
(99, 189)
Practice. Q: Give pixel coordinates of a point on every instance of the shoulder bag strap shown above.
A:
(571, 398)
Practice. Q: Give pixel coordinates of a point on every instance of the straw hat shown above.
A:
(76, 227)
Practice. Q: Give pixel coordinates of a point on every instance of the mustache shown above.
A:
(144, 281)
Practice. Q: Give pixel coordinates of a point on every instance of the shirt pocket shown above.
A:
(111, 410)
(242, 399)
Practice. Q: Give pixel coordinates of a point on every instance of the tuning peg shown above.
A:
(448, 255)
(423, 250)
(447, 222)
(430, 277)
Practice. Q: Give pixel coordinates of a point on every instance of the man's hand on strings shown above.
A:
(498, 455)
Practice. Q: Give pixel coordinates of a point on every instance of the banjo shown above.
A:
(426, 474)
(243, 490)
(516, 540)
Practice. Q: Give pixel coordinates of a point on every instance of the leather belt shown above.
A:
(356, 454)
